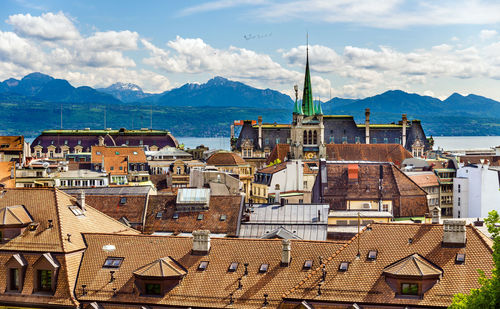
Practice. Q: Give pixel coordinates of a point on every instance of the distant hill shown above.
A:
(126, 92)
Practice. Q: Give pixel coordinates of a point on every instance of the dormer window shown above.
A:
(46, 270)
(409, 288)
(158, 277)
(16, 269)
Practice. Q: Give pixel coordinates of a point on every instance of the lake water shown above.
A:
(444, 142)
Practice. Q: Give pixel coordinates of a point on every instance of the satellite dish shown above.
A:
(45, 164)
(109, 248)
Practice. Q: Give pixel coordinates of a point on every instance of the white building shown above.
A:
(476, 190)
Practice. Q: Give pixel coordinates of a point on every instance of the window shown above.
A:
(372, 255)
(386, 140)
(267, 141)
(344, 266)
(123, 201)
(344, 139)
(223, 217)
(374, 140)
(396, 140)
(14, 279)
(458, 201)
(135, 152)
(460, 258)
(409, 288)
(366, 205)
(159, 215)
(203, 265)
(233, 267)
(112, 168)
(332, 140)
(200, 217)
(308, 264)
(44, 280)
(263, 268)
(277, 140)
(153, 289)
(77, 211)
(113, 262)
(357, 140)
(459, 189)
(121, 168)
(98, 153)
(385, 207)
(79, 142)
(175, 216)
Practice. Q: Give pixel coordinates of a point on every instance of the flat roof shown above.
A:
(362, 214)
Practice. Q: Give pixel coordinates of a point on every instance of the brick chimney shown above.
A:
(201, 242)
(367, 126)
(436, 215)
(260, 131)
(405, 121)
(454, 233)
(286, 252)
(81, 200)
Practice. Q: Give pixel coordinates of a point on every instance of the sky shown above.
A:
(357, 48)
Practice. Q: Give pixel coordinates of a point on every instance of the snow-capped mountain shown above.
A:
(127, 92)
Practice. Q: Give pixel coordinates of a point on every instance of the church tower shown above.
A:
(307, 131)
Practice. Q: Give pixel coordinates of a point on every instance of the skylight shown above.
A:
(77, 211)
(344, 266)
(159, 215)
(113, 262)
(203, 265)
(175, 216)
(308, 264)
(372, 255)
(200, 217)
(263, 268)
(460, 258)
(223, 217)
(233, 267)
(123, 201)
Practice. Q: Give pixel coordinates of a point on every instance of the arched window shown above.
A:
(305, 137)
(315, 138)
(310, 138)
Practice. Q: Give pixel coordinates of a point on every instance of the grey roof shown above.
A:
(307, 221)
(168, 151)
(125, 190)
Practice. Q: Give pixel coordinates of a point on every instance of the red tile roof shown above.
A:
(280, 151)
(11, 143)
(225, 158)
(394, 153)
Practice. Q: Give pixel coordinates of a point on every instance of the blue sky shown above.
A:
(357, 48)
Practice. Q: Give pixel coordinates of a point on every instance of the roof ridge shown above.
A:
(328, 260)
(58, 215)
(481, 236)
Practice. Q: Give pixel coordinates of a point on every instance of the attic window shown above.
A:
(159, 215)
(308, 264)
(223, 217)
(203, 265)
(76, 210)
(460, 258)
(200, 217)
(113, 262)
(233, 267)
(344, 266)
(372, 255)
(175, 216)
(123, 201)
(263, 268)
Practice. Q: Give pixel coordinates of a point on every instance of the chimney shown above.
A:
(436, 215)
(232, 131)
(405, 121)
(81, 200)
(352, 173)
(277, 196)
(286, 252)
(367, 126)
(454, 233)
(201, 242)
(260, 131)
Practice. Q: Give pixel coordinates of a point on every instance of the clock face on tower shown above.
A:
(309, 155)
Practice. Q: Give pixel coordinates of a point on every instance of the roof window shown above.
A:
(77, 211)
(98, 153)
(263, 268)
(308, 264)
(123, 201)
(223, 217)
(460, 258)
(200, 217)
(135, 152)
(372, 255)
(159, 215)
(175, 216)
(203, 265)
(344, 266)
(113, 262)
(233, 267)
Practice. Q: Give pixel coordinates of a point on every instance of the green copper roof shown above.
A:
(319, 110)
(297, 109)
(307, 98)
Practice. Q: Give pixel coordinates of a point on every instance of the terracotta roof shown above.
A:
(161, 209)
(476, 159)
(273, 169)
(208, 288)
(413, 265)
(161, 268)
(408, 198)
(11, 143)
(116, 159)
(394, 153)
(363, 282)
(14, 215)
(425, 179)
(117, 206)
(5, 173)
(280, 151)
(225, 158)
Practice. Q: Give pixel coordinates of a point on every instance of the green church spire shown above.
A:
(319, 110)
(307, 98)
(297, 109)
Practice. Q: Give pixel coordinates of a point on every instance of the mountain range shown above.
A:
(228, 100)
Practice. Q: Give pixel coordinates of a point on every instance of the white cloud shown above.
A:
(487, 34)
(217, 5)
(49, 26)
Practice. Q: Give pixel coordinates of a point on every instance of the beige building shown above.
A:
(430, 183)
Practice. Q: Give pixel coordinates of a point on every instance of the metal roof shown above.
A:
(307, 221)
(125, 190)
(193, 196)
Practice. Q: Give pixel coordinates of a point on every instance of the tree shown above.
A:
(488, 295)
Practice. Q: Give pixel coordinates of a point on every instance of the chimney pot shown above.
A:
(201, 242)
(286, 252)
(454, 233)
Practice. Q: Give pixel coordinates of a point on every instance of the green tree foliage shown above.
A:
(275, 162)
(488, 295)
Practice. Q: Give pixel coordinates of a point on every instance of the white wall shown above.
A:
(289, 179)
